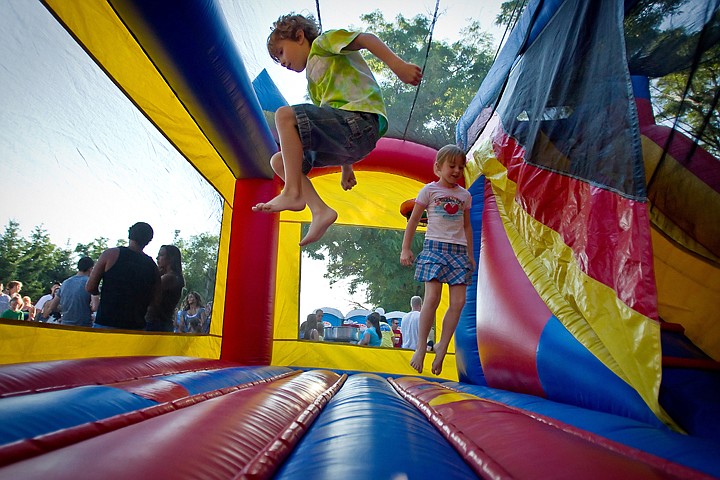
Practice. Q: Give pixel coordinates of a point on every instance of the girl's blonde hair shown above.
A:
(287, 28)
(447, 152)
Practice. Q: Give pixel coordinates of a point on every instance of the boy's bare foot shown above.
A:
(280, 203)
(418, 360)
(440, 351)
(348, 180)
(321, 221)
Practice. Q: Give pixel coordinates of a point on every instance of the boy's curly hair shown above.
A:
(287, 28)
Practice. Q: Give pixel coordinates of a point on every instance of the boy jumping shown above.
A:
(344, 122)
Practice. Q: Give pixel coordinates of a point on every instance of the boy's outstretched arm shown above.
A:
(407, 72)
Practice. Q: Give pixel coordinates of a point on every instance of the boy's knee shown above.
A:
(285, 116)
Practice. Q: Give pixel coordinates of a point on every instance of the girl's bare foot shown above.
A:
(284, 201)
(321, 221)
(440, 351)
(418, 359)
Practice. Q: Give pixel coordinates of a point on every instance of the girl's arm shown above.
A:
(365, 339)
(407, 72)
(406, 255)
(469, 237)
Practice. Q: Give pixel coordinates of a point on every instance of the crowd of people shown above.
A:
(377, 332)
(125, 289)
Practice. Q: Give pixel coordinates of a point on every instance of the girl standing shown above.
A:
(193, 314)
(447, 255)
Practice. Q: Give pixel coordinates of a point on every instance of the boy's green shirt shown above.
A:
(342, 79)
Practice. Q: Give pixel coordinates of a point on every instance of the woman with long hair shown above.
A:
(192, 315)
(311, 330)
(159, 317)
(373, 335)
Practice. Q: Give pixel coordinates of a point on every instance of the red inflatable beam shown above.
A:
(31, 377)
(244, 434)
(174, 398)
(499, 441)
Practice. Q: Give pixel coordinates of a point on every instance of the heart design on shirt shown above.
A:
(451, 208)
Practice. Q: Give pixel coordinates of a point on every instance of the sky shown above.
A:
(79, 160)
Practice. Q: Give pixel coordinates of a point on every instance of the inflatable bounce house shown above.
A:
(588, 347)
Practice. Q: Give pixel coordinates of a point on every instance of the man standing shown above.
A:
(130, 281)
(397, 333)
(72, 297)
(409, 324)
(40, 317)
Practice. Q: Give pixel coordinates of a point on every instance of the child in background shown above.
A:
(344, 122)
(447, 255)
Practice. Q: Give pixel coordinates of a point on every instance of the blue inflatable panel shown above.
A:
(202, 382)
(368, 431)
(267, 92)
(692, 452)
(28, 416)
(195, 39)
(692, 398)
(557, 349)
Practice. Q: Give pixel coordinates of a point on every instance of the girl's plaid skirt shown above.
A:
(445, 262)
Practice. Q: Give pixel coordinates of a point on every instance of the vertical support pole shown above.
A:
(252, 260)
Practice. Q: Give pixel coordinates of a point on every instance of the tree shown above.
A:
(510, 12)
(692, 112)
(451, 78)
(199, 259)
(92, 249)
(36, 262)
(12, 249)
(368, 257)
(647, 29)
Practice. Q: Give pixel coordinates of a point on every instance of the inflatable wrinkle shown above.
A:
(692, 452)
(51, 420)
(580, 302)
(489, 429)
(367, 411)
(542, 193)
(283, 407)
(701, 164)
(24, 378)
(558, 348)
(466, 339)
(507, 353)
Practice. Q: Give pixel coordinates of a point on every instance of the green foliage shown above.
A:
(199, 259)
(452, 76)
(695, 108)
(36, 262)
(510, 12)
(92, 249)
(369, 257)
(693, 114)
